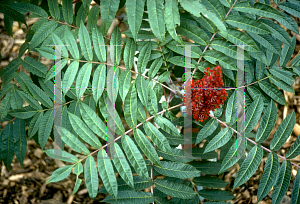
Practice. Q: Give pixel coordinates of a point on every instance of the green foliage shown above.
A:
(145, 124)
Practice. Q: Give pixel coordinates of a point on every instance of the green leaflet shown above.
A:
(116, 46)
(219, 140)
(294, 150)
(249, 166)
(73, 141)
(216, 194)
(164, 76)
(122, 165)
(70, 40)
(20, 141)
(156, 17)
(195, 50)
(209, 181)
(35, 67)
(141, 86)
(60, 173)
(296, 187)
(282, 181)
(99, 81)
(192, 6)
(108, 11)
(141, 114)
(130, 196)
(155, 66)
(51, 73)
(230, 114)
(166, 125)
(124, 85)
(223, 46)
(207, 130)
(7, 146)
(146, 146)
(42, 33)
(61, 155)
(267, 123)
(285, 76)
(177, 170)
(267, 41)
(157, 137)
(93, 121)
(99, 44)
(268, 177)
(81, 16)
(85, 42)
(16, 100)
(5, 89)
(92, 18)
(135, 15)
(253, 114)
(83, 78)
(83, 131)
(135, 157)
(287, 52)
(179, 61)
(290, 8)
(11, 67)
(238, 37)
(139, 184)
(288, 22)
(107, 173)
(272, 91)
(259, 9)
(40, 95)
(78, 169)
(58, 41)
(45, 127)
(174, 189)
(225, 62)
(152, 101)
(283, 132)
(282, 85)
(67, 10)
(233, 155)
(24, 8)
(23, 113)
(91, 176)
(35, 124)
(172, 18)
(130, 104)
(216, 7)
(247, 24)
(47, 52)
(69, 76)
(143, 58)
(142, 34)
(129, 51)
(5, 105)
(277, 31)
(77, 185)
(23, 79)
(54, 9)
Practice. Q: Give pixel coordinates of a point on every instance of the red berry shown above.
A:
(204, 100)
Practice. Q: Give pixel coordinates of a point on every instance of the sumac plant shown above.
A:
(144, 40)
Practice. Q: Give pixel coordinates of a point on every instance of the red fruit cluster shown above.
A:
(204, 100)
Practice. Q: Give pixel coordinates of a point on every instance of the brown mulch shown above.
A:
(28, 185)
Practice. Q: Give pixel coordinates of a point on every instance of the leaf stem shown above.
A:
(251, 140)
(128, 131)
